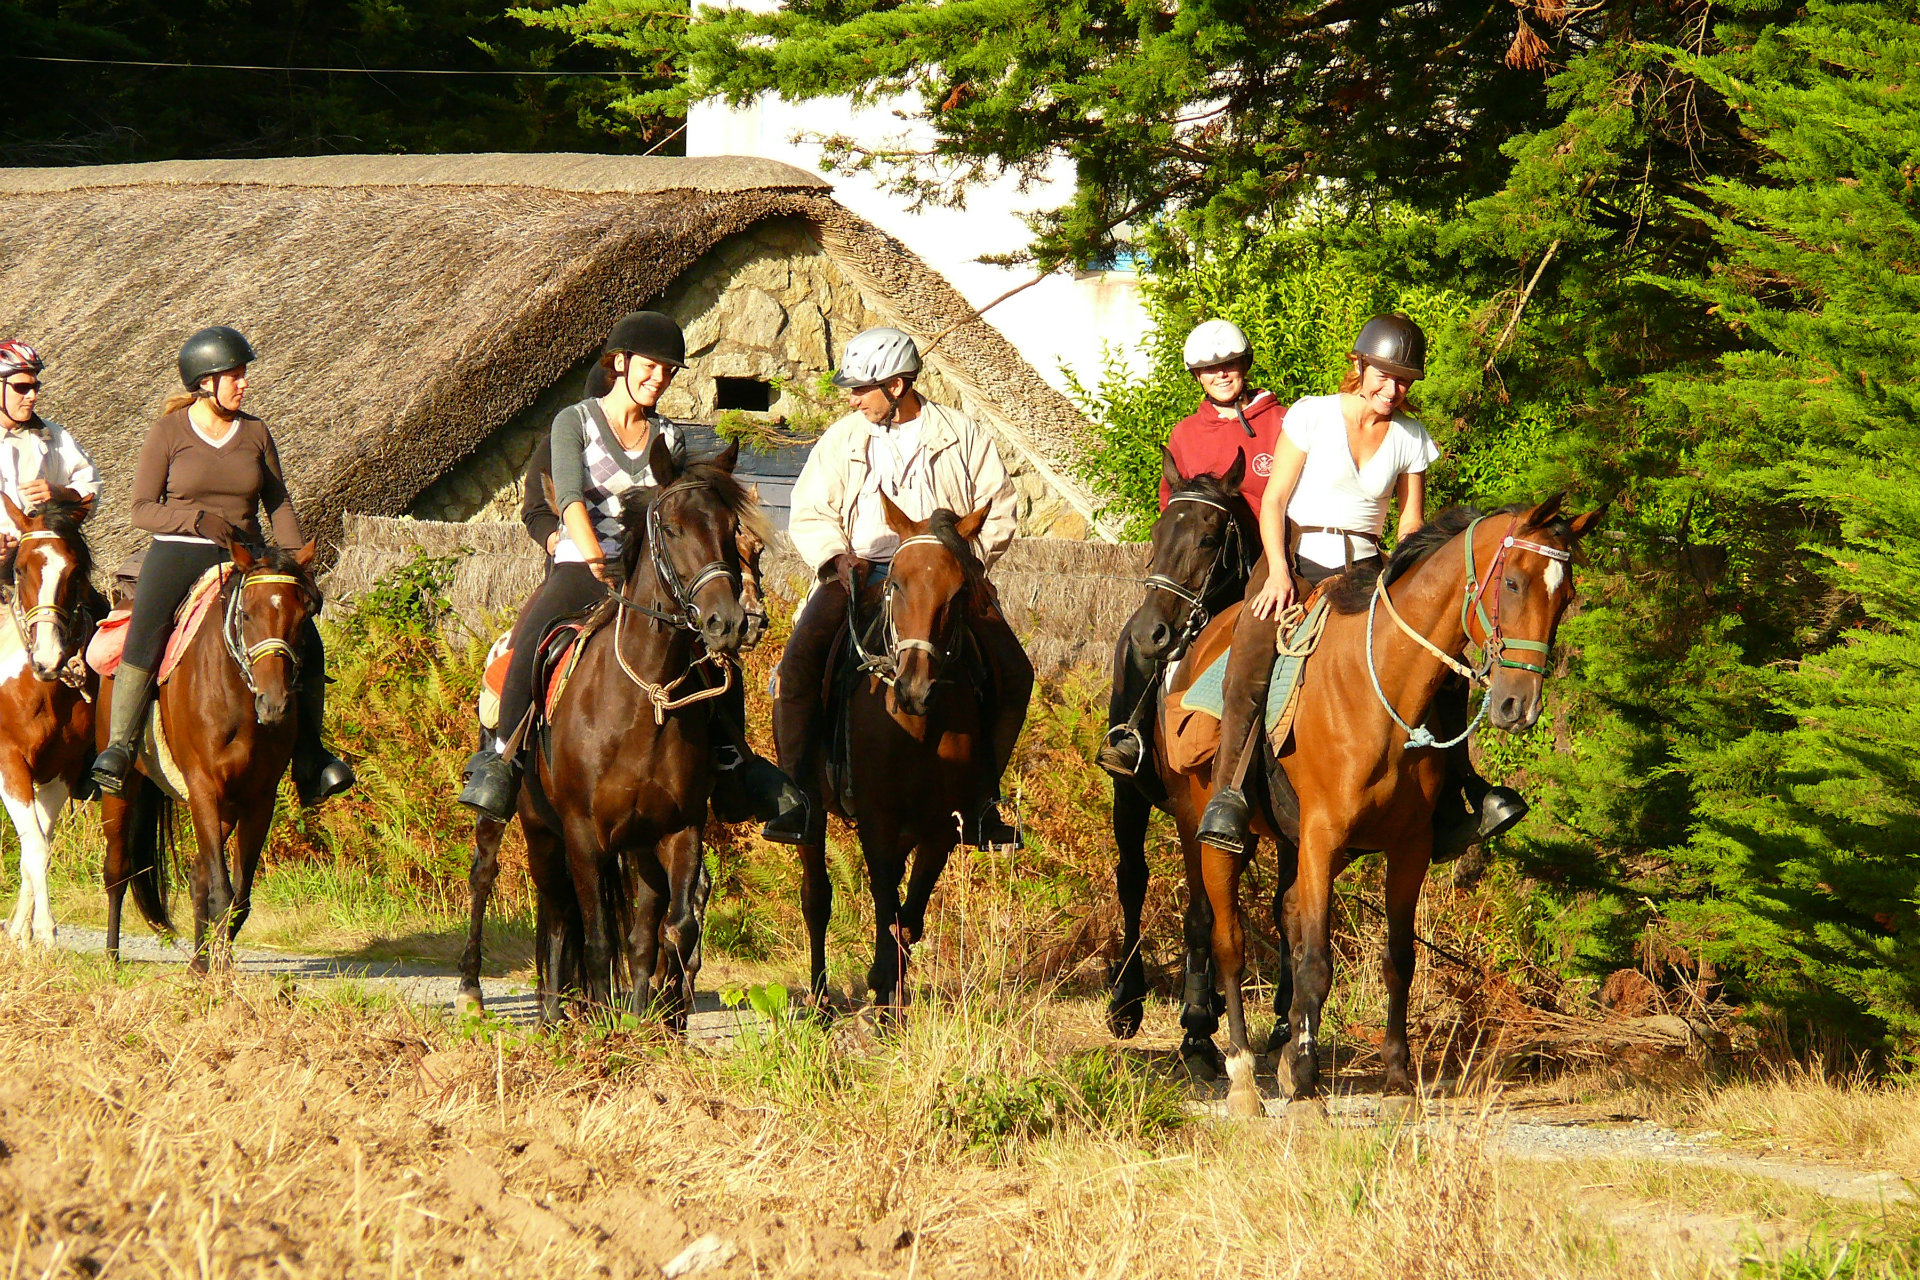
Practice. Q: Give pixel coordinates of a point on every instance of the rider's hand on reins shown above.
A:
(214, 527)
(607, 573)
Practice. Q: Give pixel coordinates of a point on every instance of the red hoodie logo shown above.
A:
(1263, 464)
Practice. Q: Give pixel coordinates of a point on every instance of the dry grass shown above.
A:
(158, 1125)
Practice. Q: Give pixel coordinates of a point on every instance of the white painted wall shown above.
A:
(1061, 323)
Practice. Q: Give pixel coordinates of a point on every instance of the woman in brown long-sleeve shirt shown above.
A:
(205, 472)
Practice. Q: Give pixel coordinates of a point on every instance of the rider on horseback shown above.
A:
(204, 472)
(1341, 460)
(597, 452)
(1233, 421)
(39, 456)
(922, 457)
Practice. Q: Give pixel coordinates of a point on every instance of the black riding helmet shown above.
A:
(651, 335)
(1395, 344)
(213, 350)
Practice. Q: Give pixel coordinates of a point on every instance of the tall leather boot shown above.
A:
(794, 717)
(748, 784)
(126, 722)
(317, 772)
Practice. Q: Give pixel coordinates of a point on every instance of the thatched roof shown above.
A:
(1067, 600)
(407, 306)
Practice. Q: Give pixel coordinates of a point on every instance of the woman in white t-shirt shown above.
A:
(1340, 462)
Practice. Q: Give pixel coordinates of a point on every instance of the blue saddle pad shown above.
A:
(1208, 692)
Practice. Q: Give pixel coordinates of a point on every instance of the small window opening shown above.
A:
(750, 394)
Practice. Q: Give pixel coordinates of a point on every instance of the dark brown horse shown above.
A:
(615, 803)
(917, 741)
(1204, 544)
(484, 870)
(46, 698)
(1360, 774)
(227, 716)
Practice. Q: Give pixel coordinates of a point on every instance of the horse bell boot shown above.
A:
(317, 772)
(127, 720)
(493, 786)
(1225, 821)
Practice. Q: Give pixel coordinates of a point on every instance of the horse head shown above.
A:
(1204, 545)
(753, 599)
(690, 531)
(271, 600)
(50, 569)
(934, 580)
(1515, 606)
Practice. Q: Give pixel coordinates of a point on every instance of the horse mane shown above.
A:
(1214, 489)
(733, 493)
(1353, 590)
(63, 516)
(277, 559)
(944, 526)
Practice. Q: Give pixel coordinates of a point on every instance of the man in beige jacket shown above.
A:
(922, 457)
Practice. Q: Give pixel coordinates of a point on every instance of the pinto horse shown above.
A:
(1364, 776)
(227, 713)
(917, 741)
(615, 802)
(484, 870)
(46, 707)
(1204, 544)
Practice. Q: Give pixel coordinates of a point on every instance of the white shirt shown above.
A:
(1335, 493)
(45, 451)
(899, 466)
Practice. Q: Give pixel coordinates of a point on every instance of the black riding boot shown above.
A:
(749, 785)
(493, 784)
(317, 772)
(1470, 811)
(126, 723)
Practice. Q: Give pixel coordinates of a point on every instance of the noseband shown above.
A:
(886, 665)
(1231, 558)
(24, 620)
(234, 630)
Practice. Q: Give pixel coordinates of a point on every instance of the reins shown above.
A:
(684, 615)
(1494, 648)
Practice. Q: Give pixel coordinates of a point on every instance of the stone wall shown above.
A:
(768, 304)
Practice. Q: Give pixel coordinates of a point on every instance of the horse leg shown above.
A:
(1312, 953)
(1220, 872)
(1126, 1006)
(32, 917)
(679, 854)
(816, 905)
(213, 887)
(882, 844)
(1405, 875)
(588, 869)
(554, 917)
(650, 901)
(481, 873)
(116, 818)
(1198, 1017)
(1286, 862)
(250, 836)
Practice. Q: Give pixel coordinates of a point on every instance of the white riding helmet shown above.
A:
(1214, 342)
(874, 355)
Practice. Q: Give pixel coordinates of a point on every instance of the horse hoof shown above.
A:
(1396, 1108)
(468, 1004)
(1200, 1067)
(1308, 1113)
(1124, 1018)
(1243, 1095)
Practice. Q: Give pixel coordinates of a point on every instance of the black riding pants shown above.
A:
(570, 589)
(166, 575)
(1250, 668)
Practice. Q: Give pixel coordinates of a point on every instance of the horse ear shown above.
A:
(1580, 524)
(729, 457)
(899, 521)
(86, 507)
(1235, 473)
(1545, 511)
(304, 556)
(242, 558)
(968, 527)
(660, 461)
(14, 513)
(1170, 470)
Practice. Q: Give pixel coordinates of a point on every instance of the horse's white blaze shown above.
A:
(46, 636)
(1556, 574)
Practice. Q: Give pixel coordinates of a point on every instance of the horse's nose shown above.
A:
(1516, 712)
(270, 708)
(1161, 636)
(722, 632)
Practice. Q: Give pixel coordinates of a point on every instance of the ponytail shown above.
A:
(178, 401)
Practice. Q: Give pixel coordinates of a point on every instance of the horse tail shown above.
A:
(150, 833)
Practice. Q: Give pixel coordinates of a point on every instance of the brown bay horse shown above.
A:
(1204, 544)
(484, 870)
(1359, 775)
(46, 697)
(917, 742)
(228, 714)
(614, 805)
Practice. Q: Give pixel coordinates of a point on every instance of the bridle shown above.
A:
(886, 664)
(25, 620)
(1229, 563)
(1494, 646)
(233, 631)
(684, 613)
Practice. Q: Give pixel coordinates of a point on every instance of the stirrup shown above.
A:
(493, 786)
(988, 830)
(1122, 751)
(1224, 822)
(1500, 809)
(111, 769)
(792, 826)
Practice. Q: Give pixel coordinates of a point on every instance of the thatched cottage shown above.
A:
(420, 318)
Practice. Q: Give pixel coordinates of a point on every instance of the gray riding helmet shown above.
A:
(215, 349)
(1393, 343)
(875, 355)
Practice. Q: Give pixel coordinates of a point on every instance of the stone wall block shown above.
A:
(756, 320)
(807, 344)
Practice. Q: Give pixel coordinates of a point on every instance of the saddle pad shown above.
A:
(493, 679)
(563, 654)
(109, 641)
(1207, 693)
